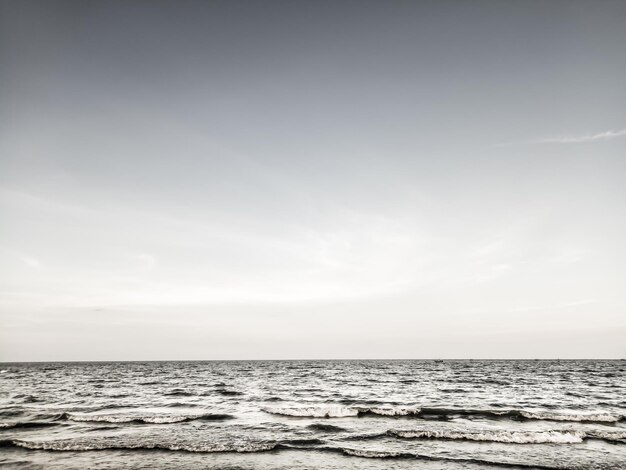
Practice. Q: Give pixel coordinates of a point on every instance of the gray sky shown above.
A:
(289, 179)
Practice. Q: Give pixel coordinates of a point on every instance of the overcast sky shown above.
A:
(312, 179)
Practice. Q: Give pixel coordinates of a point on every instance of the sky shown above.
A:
(307, 179)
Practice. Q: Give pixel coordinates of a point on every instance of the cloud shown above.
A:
(31, 261)
(608, 135)
(572, 139)
(144, 261)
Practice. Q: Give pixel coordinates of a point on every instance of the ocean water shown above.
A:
(314, 414)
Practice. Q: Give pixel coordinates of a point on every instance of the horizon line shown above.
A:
(311, 360)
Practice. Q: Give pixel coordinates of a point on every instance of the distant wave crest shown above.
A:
(147, 419)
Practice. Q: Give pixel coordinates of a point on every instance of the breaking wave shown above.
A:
(605, 435)
(552, 436)
(537, 437)
(248, 447)
(494, 435)
(83, 445)
(314, 411)
(580, 417)
(374, 454)
(336, 411)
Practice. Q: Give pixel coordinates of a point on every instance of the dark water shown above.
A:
(314, 414)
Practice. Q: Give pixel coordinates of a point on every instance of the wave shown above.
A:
(28, 398)
(610, 436)
(331, 411)
(373, 454)
(325, 427)
(366, 437)
(552, 436)
(9, 413)
(494, 435)
(145, 419)
(104, 427)
(228, 393)
(519, 415)
(26, 424)
(399, 411)
(580, 417)
(334, 411)
(265, 446)
(303, 442)
(179, 393)
(77, 446)
(337, 411)
(179, 404)
(370, 403)
(249, 447)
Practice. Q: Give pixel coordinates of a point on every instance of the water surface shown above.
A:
(314, 414)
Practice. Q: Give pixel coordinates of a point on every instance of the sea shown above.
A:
(358, 414)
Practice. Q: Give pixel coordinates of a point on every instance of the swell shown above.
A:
(27, 425)
(320, 427)
(145, 419)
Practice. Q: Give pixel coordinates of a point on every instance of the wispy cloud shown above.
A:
(571, 139)
(608, 135)
(31, 261)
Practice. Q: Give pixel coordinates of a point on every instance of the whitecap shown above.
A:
(495, 435)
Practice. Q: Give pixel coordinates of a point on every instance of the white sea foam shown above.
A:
(335, 411)
(495, 435)
(330, 411)
(371, 454)
(615, 436)
(84, 445)
(566, 416)
(379, 454)
(396, 411)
